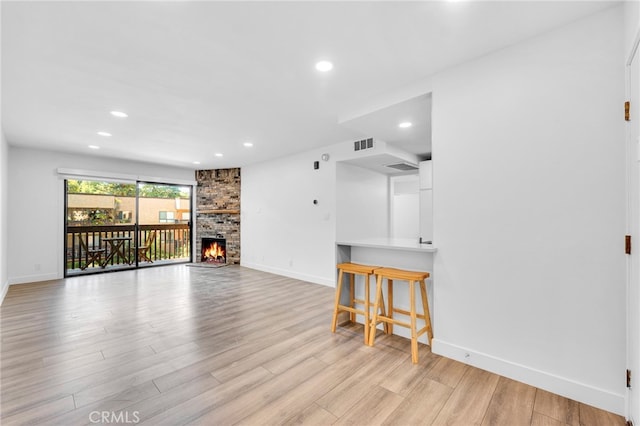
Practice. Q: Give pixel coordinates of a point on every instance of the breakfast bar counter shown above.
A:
(406, 254)
(389, 252)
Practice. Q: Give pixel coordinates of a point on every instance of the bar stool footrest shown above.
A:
(413, 279)
(343, 308)
(351, 270)
(423, 330)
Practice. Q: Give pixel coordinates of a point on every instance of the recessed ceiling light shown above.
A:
(106, 134)
(405, 124)
(119, 114)
(218, 154)
(248, 144)
(94, 147)
(324, 66)
(196, 162)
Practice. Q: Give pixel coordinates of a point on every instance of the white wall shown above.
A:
(4, 203)
(362, 209)
(4, 173)
(36, 206)
(282, 230)
(631, 24)
(529, 202)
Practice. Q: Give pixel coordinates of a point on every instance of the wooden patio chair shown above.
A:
(93, 255)
(144, 250)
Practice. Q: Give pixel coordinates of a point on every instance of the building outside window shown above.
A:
(167, 217)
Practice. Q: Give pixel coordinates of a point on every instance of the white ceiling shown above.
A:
(383, 124)
(198, 78)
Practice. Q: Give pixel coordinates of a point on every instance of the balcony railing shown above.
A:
(166, 243)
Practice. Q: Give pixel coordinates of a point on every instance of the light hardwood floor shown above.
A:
(189, 345)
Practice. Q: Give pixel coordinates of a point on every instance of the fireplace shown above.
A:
(214, 250)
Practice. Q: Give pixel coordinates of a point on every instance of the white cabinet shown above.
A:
(426, 214)
(426, 175)
(426, 201)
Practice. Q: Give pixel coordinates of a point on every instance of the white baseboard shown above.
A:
(3, 291)
(26, 279)
(290, 274)
(563, 386)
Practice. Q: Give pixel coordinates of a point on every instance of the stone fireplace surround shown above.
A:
(218, 210)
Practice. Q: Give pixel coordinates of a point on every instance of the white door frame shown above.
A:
(632, 409)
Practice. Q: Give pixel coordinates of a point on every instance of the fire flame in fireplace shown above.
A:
(213, 252)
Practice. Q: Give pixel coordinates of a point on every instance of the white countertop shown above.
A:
(407, 244)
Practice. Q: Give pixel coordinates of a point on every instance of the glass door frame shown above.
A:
(139, 225)
(136, 242)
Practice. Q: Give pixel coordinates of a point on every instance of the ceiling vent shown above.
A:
(403, 166)
(363, 144)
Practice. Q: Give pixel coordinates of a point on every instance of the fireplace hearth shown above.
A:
(214, 250)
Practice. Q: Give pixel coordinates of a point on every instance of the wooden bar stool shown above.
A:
(354, 269)
(411, 277)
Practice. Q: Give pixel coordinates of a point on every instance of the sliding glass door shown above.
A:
(122, 225)
(164, 217)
